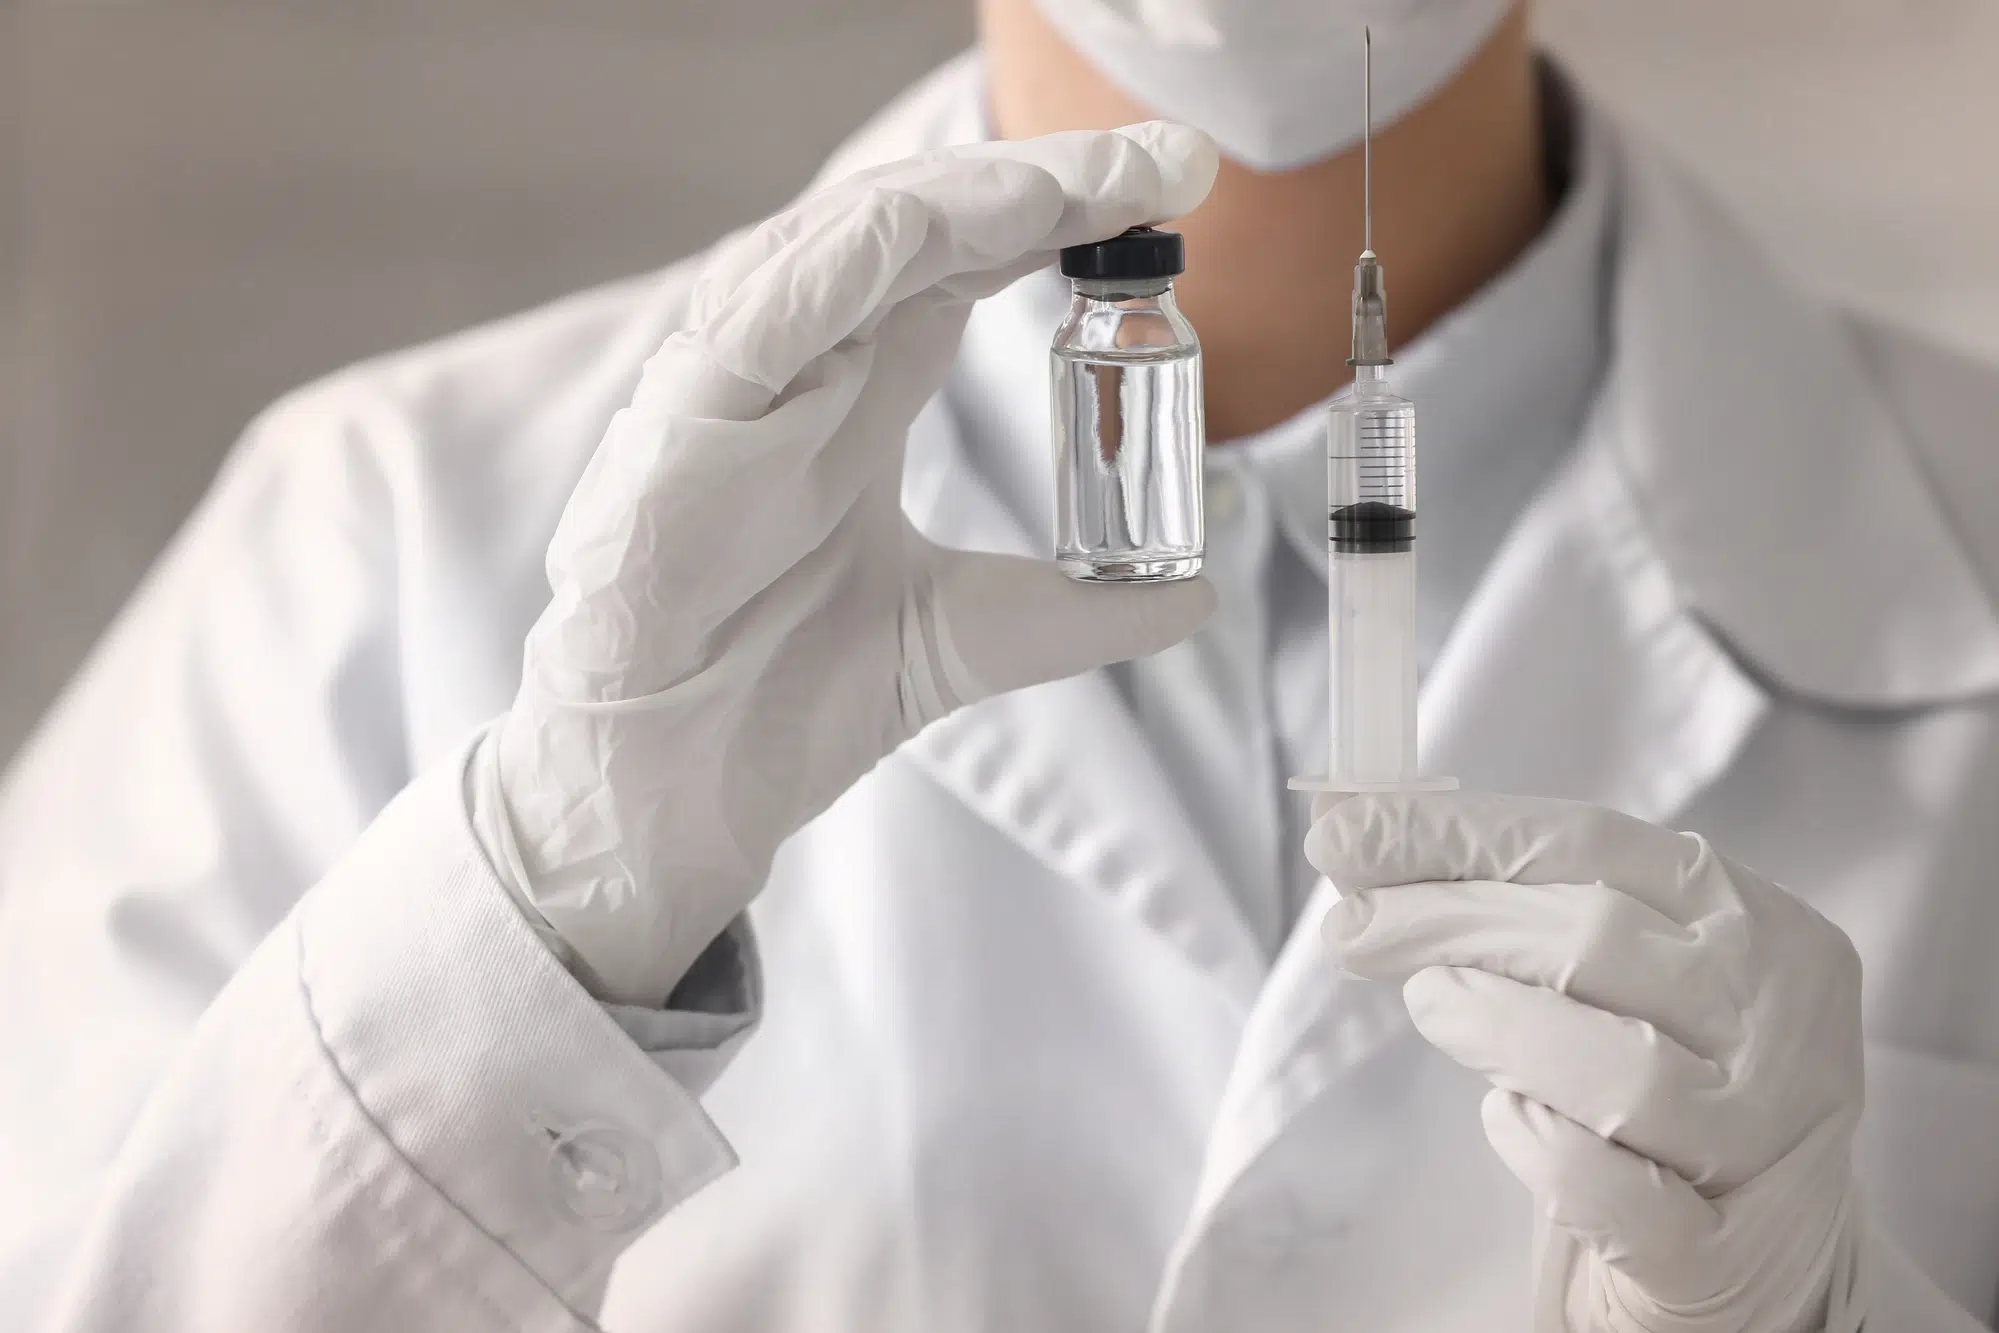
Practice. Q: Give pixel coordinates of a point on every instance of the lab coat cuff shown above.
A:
(487, 1065)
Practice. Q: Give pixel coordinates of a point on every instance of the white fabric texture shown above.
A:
(1673, 1042)
(1277, 83)
(743, 620)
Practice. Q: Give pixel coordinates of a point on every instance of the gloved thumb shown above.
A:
(1002, 622)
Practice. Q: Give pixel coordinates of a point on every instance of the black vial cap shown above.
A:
(1137, 255)
(1373, 527)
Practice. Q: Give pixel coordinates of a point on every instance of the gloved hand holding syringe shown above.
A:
(1691, 1187)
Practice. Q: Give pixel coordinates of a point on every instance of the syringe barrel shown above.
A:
(1371, 583)
(1371, 454)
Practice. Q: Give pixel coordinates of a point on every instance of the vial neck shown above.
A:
(1124, 289)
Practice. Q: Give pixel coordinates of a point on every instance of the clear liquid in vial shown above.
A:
(1128, 439)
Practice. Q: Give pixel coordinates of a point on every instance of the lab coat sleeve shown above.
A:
(367, 1128)
(230, 745)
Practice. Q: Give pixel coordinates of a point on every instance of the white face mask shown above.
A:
(1277, 83)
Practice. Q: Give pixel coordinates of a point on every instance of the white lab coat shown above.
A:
(1021, 1064)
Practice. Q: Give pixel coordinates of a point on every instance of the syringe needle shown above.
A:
(1367, 138)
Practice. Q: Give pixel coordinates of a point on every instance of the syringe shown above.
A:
(1371, 522)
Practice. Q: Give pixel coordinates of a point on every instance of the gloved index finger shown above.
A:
(1378, 840)
(818, 274)
(1110, 180)
(1594, 944)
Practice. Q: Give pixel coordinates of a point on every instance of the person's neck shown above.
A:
(1459, 192)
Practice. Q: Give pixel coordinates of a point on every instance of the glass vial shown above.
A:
(1125, 376)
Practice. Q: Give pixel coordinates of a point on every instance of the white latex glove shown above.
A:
(1673, 1041)
(743, 621)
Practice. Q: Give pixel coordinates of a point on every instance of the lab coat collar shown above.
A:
(1771, 472)
(1576, 670)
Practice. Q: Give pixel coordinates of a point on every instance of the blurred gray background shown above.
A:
(204, 203)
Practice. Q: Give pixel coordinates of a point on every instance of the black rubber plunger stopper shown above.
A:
(1373, 527)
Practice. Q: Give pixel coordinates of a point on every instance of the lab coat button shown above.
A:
(604, 1177)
